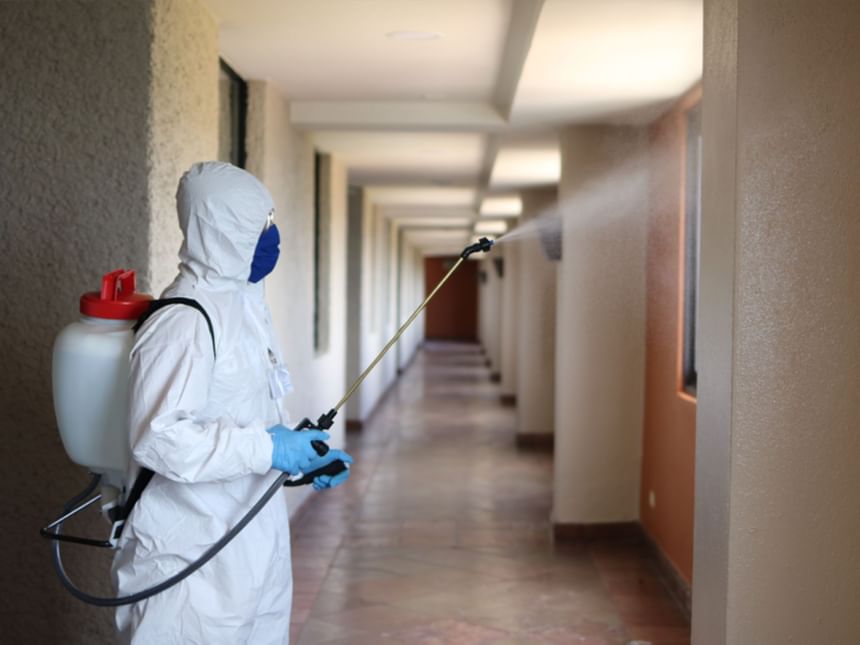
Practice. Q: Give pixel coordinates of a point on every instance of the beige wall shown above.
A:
(777, 520)
(91, 96)
(600, 326)
(373, 286)
(536, 345)
(283, 159)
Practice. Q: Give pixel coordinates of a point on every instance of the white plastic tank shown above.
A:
(90, 376)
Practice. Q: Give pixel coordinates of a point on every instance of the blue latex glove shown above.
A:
(323, 482)
(292, 451)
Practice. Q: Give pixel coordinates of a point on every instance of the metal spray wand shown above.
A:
(326, 420)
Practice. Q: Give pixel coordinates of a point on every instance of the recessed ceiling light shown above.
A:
(491, 227)
(413, 35)
(507, 206)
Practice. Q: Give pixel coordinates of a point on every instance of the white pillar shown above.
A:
(777, 521)
(494, 316)
(536, 328)
(509, 321)
(489, 314)
(601, 327)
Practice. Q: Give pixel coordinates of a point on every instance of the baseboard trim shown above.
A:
(542, 442)
(575, 532)
(632, 533)
(508, 400)
(677, 586)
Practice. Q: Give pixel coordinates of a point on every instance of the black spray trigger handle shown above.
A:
(320, 446)
(331, 469)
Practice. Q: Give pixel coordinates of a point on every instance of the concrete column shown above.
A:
(483, 314)
(536, 328)
(777, 522)
(409, 298)
(492, 316)
(601, 327)
(509, 321)
(488, 314)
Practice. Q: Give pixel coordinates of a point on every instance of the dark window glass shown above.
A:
(692, 244)
(232, 116)
(322, 243)
(317, 207)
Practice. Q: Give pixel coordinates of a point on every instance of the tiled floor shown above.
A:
(442, 534)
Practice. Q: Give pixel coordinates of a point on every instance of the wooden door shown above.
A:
(453, 313)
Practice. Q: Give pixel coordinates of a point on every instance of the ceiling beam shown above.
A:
(491, 151)
(521, 31)
(415, 116)
(405, 211)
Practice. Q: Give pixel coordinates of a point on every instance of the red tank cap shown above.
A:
(117, 300)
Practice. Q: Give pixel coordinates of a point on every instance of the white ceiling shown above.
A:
(527, 163)
(338, 49)
(609, 60)
(433, 127)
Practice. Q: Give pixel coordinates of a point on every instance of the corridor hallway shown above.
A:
(443, 534)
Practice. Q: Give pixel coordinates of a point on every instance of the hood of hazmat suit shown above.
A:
(198, 420)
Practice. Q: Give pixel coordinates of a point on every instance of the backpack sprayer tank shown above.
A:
(90, 377)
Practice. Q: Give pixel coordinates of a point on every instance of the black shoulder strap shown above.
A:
(155, 305)
(145, 474)
(134, 494)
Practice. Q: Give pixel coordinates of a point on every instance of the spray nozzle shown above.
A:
(483, 245)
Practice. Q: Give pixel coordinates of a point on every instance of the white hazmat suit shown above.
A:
(199, 421)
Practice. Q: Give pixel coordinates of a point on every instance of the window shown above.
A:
(232, 116)
(692, 244)
(322, 217)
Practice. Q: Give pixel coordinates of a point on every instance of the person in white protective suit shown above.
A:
(209, 423)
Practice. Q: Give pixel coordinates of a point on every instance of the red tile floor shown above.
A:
(442, 534)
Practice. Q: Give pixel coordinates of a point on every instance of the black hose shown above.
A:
(210, 553)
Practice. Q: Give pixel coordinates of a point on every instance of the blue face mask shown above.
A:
(266, 254)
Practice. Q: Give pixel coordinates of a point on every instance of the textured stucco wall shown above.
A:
(777, 520)
(536, 356)
(183, 119)
(600, 326)
(73, 191)
(79, 166)
(283, 160)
